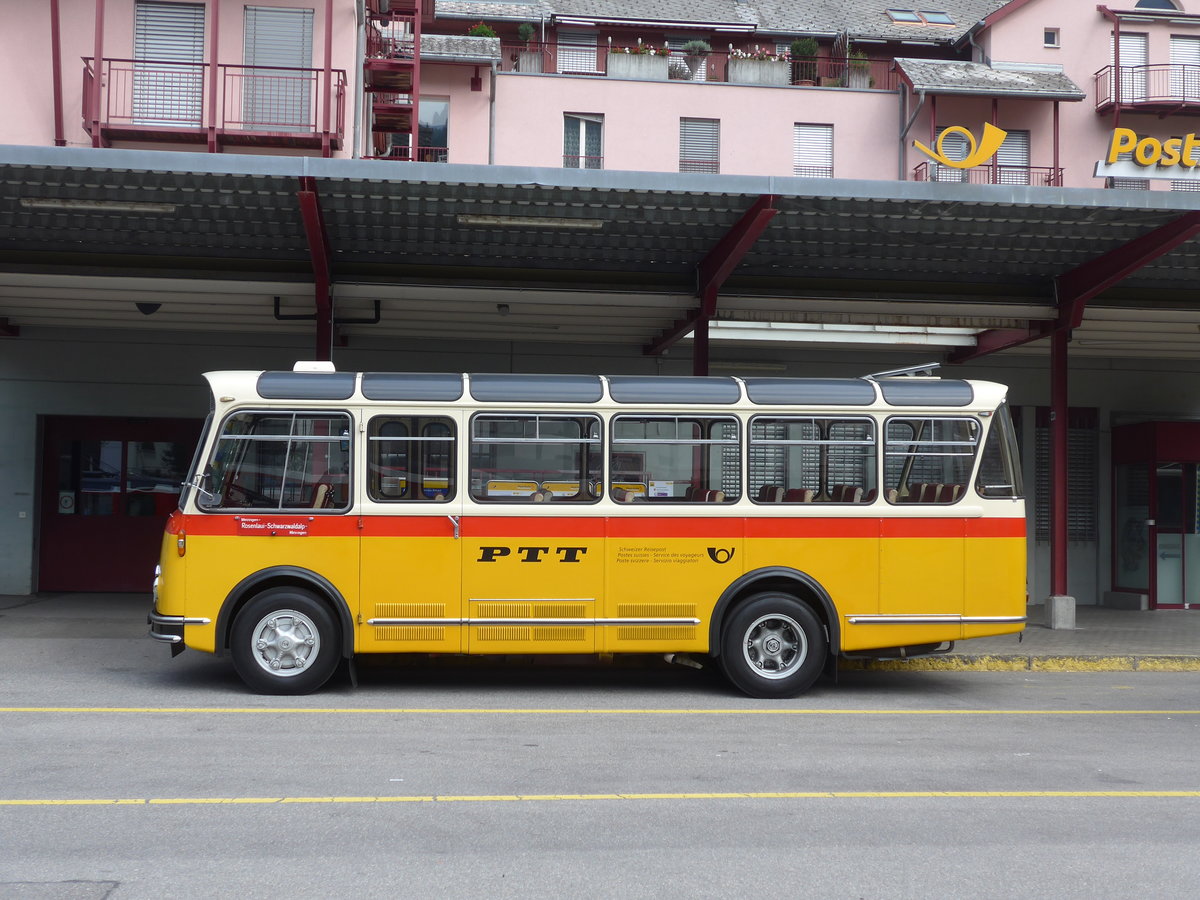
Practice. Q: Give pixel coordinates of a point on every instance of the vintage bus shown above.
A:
(770, 524)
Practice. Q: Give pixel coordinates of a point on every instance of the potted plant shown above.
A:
(762, 65)
(804, 61)
(858, 73)
(479, 29)
(529, 58)
(695, 52)
(638, 62)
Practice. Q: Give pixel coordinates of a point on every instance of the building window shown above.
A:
(583, 146)
(577, 52)
(904, 16)
(1083, 475)
(278, 44)
(433, 131)
(683, 67)
(1185, 67)
(812, 151)
(1050, 38)
(1156, 4)
(168, 71)
(700, 145)
(1185, 185)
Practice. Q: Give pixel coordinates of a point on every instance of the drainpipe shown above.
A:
(360, 57)
(60, 139)
(214, 72)
(907, 126)
(492, 119)
(326, 116)
(1116, 66)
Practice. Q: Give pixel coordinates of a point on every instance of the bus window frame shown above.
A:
(433, 416)
(218, 490)
(585, 494)
(737, 441)
(822, 496)
(910, 455)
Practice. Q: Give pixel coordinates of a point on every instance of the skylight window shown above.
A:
(936, 18)
(924, 17)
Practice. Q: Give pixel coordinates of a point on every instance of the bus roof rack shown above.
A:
(925, 370)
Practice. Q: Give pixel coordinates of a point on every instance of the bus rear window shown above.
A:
(928, 460)
(280, 460)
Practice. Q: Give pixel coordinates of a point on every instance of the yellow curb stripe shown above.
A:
(583, 711)
(542, 798)
(1010, 663)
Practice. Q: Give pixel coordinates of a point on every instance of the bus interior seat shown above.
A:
(798, 495)
(770, 493)
(322, 495)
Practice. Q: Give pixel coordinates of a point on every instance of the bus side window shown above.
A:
(410, 458)
(534, 458)
(929, 460)
(680, 459)
(281, 460)
(804, 459)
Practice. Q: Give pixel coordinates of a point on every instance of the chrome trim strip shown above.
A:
(157, 618)
(166, 638)
(531, 600)
(946, 619)
(580, 621)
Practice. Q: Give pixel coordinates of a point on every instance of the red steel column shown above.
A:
(700, 347)
(328, 98)
(1059, 424)
(98, 72)
(214, 72)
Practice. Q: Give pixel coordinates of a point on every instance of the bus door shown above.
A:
(922, 547)
(532, 546)
(672, 553)
(410, 571)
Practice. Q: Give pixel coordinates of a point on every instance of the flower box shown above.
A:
(638, 66)
(760, 71)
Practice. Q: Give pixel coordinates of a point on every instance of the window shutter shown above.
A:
(1013, 159)
(1185, 67)
(1082, 475)
(168, 46)
(1134, 54)
(954, 146)
(678, 57)
(812, 151)
(278, 99)
(577, 51)
(700, 145)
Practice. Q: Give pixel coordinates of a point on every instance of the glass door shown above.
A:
(1176, 537)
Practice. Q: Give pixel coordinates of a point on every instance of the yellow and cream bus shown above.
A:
(772, 524)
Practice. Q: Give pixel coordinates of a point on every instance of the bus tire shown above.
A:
(773, 646)
(285, 641)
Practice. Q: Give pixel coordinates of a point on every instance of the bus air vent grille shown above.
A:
(410, 611)
(501, 633)
(656, 610)
(563, 633)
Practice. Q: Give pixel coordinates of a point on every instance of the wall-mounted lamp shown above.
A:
(148, 309)
(502, 308)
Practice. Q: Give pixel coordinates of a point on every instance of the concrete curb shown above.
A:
(1025, 663)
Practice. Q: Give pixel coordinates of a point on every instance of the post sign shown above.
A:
(1174, 158)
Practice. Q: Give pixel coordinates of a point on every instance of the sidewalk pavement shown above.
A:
(1104, 640)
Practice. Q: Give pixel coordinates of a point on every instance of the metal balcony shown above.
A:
(1162, 89)
(1036, 176)
(247, 106)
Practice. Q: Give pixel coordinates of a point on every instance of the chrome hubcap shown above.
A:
(285, 642)
(775, 646)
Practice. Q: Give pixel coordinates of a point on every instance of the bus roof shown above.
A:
(328, 386)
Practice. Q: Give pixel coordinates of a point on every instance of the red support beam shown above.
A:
(9, 331)
(1077, 287)
(999, 339)
(319, 253)
(712, 272)
(97, 73)
(1059, 438)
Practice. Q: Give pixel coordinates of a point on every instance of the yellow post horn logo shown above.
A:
(993, 137)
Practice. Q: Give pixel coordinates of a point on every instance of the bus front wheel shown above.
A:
(284, 641)
(773, 646)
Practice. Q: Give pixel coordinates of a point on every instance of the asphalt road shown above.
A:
(126, 774)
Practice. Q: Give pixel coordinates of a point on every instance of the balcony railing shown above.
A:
(155, 100)
(399, 153)
(1158, 88)
(571, 59)
(392, 35)
(1037, 176)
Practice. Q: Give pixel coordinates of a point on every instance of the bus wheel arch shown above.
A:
(280, 577)
(800, 585)
(773, 645)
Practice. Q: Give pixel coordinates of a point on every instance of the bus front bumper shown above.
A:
(169, 629)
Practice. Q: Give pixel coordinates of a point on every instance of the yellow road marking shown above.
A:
(540, 798)
(585, 711)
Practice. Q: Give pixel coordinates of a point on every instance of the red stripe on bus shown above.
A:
(599, 527)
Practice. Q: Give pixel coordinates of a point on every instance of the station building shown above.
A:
(800, 188)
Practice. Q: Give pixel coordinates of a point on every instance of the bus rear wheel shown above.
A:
(284, 641)
(773, 646)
